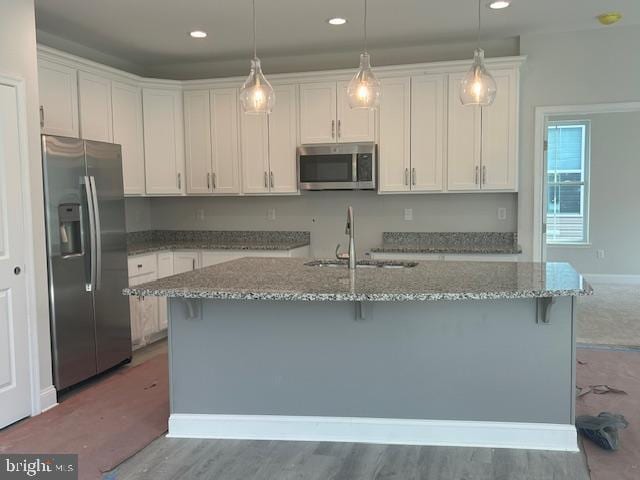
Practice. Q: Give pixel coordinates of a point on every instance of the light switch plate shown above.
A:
(502, 213)
(271, 213)
(200, 214)
(408, 214)
(600, 254)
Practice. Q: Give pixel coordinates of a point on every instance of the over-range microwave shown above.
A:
(337, 166)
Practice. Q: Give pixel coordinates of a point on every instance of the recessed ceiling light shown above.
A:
(337, 21)
(499, 4)
(198, 34)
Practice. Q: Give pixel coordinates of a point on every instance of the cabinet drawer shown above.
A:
(142, 265)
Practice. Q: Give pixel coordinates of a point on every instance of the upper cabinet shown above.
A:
(197, 136)
(163, 141)
(325, 115)
(96, 120)
(58, 90)
(482, 141)
(269, 145)
(126, 103)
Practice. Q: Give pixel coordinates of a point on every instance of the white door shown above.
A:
(255, 153)
(464, 142)
(197, 134)
(127, 131)
(224, 136)
(395, 135)
(428, 107)
(15, 397)
(96, 121)
(499, 135)
(317, 113)
(58, 91)
(354, 124)
(163, 141)
(283, 140)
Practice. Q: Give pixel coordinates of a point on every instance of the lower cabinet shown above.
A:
(144, 313)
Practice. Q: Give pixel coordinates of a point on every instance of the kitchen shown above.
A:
(208, 187)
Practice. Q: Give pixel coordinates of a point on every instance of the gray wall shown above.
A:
(138, 214)
(592, 66)
(324, 214)
(18, 59)
(615, 198)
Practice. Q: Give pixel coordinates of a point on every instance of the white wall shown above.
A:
(324, 215)
(586, 67)
(18, 58)
(614, 224)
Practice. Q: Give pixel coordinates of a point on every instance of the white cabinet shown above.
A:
(197, 133)
(269, 146)
(482, 146)
(185, 261)
(143, 312)
(165, 269)
(214, 257)
(326, 117)
(225, 171)
(58, 91)
(96, 120)
(128, 132)
(163, 141)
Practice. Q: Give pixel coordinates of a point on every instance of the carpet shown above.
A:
(105, 423)
(621, 370)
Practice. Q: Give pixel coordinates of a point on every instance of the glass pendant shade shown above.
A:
(364, 88)
(478, 86)
(257, 95)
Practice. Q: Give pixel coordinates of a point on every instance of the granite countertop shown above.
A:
(449, 242)
(290, 279)
(158, 240)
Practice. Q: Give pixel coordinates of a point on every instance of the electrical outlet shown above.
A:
(200, 215)
(502, 213)
(600, 254)
(408, 214)
(271, 213)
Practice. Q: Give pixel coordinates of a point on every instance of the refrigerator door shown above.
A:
(113, 330)
(69, 260)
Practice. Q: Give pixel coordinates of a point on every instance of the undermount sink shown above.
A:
(362, 264)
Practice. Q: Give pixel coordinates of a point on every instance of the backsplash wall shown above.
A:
(324, 215)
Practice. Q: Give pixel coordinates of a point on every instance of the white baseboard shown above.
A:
(531, 436)
(48, 398)
(612, 279)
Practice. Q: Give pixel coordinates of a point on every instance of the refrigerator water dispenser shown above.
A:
(70, 215)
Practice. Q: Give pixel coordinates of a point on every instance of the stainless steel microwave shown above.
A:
(337, 166)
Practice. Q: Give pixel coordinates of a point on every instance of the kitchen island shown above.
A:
(434, 353)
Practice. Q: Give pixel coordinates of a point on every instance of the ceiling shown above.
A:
(155, 32)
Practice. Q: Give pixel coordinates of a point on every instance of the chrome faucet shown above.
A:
(349, 230)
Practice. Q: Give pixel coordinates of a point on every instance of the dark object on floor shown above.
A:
(107, 421)
(603, 429)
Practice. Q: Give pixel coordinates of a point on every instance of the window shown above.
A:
(567, 182)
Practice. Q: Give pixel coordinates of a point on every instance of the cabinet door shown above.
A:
(214, 257)
(394, 135)
(58, 90)
(224, 136)
(197, 134)
(185, 261)
(255, 153)
(500, 135)
(317, 113)
(96, 120)
(354, 124)
(463, 159)
(165, 264)
(283, 135)
(127, 131)
(144, 312)
(163, 141)
(428, 104)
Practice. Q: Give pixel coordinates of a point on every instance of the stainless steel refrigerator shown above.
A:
(87, 257)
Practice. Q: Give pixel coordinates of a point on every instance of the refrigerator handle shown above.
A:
(92, 235)
(98, 232)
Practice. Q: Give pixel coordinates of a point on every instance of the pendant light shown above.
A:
(364, 88)
(478, 86)
(256, 94)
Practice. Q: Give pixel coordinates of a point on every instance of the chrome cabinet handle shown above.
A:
(271, 181)
(339, 128)
(215, 181)
(193, 264)
(266, 182)
(406, 176)
(333, 129)
(413, 176)
(484, 175)
(41, 116)
(477, 174)
(179, 181)
(208, 181)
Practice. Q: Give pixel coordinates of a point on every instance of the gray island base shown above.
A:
(492, 365)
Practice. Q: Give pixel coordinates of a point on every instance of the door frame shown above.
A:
(541, 116)
(29, 258)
